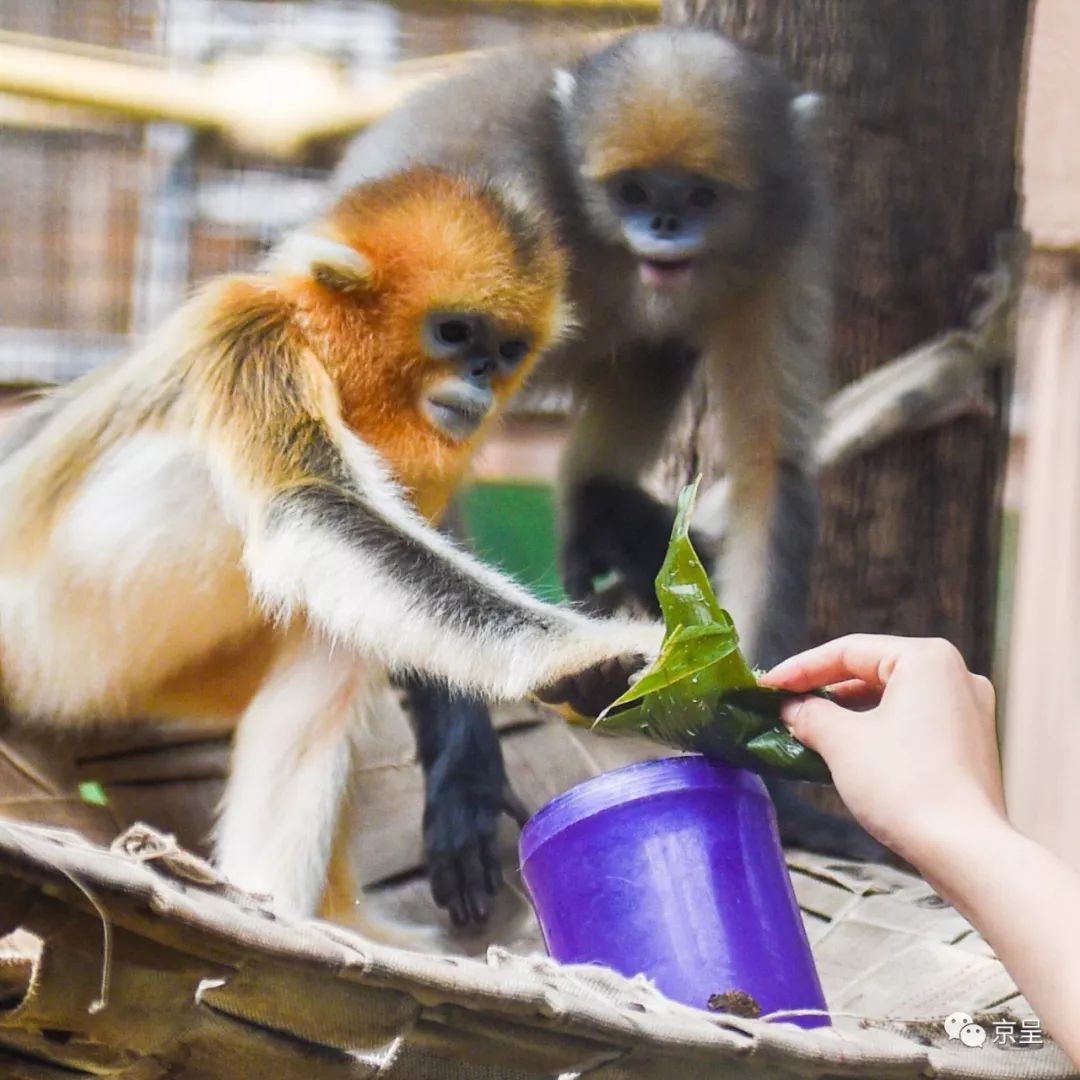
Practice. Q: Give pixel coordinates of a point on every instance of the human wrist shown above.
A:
(955, 856)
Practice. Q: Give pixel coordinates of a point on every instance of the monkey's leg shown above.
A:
(290, 766)
(780, 631)
(802, 825)
(792, 541)
(465, 790)
(770, 405)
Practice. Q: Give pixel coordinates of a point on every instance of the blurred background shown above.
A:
(107, 219)
(147, 144)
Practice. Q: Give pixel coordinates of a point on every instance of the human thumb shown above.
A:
(815, 722)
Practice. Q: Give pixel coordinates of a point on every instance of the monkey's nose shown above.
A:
(666, 224)
(482, 367)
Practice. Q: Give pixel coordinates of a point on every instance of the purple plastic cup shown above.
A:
(673, 869)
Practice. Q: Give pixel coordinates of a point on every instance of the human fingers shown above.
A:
(869, 657)
(854, 694)
(984, 693)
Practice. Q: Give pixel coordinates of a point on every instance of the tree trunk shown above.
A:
(922, 101)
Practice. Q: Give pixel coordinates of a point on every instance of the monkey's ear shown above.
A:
(807, 113)
(328, 261)
(562, 89)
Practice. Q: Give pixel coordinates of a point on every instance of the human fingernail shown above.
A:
(775, 675)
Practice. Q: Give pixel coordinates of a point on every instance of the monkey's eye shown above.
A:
(702, 197)
(453, 332)
(633, 194)
(514, 351)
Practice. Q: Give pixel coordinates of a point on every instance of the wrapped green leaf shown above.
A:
(700, 694)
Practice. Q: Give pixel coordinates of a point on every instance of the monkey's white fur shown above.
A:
(149, 549)
(136, 551)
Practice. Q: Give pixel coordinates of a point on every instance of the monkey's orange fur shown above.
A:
(379, 380)
(430, 243)
(251, 365)
(670, 121)
(217, 526)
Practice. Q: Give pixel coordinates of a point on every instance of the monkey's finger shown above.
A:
(443, 878)
(591, 691)
(472, 885)
(459, 889)
(512, 805)
(457, 905)
(463, 883)
(489, 859)
(458, 910)
(580, 574)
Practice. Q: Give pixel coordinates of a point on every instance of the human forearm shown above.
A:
(1024, 901)
(911, 741)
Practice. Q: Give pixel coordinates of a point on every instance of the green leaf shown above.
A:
(682, 586)
(700, 694)
(686, 651)
(90, 791)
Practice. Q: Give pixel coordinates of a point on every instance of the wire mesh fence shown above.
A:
(105, 224)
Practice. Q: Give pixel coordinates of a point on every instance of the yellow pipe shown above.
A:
(25, 114)
(271, 104)
(612, 6)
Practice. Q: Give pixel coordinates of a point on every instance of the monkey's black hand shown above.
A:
(590, 691)
(615, 528)
(466, 788)
(802, 825)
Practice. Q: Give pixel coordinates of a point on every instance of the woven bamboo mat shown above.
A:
(201, 982)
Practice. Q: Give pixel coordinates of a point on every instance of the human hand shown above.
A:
(910, 739)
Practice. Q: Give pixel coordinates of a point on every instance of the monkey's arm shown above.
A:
(610, 524)
(767, 361)
(465, 790)
(372, 575)
(465, 786)
(328, 535)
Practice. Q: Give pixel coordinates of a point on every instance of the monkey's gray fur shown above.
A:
(685, 177)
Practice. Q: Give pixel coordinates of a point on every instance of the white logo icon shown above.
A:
(961, 1026)
(956, 1023)
(973, 1035)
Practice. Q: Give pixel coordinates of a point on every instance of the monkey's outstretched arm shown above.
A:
(373, 575)
(329, 536)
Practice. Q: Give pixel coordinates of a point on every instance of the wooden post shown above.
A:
(1042, 720)
(921, 120)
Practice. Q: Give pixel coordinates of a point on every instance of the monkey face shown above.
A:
(683, 151)
(478, 361)
(667, 218)
(427, 297)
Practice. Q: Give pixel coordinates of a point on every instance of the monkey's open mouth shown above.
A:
(657, 272)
